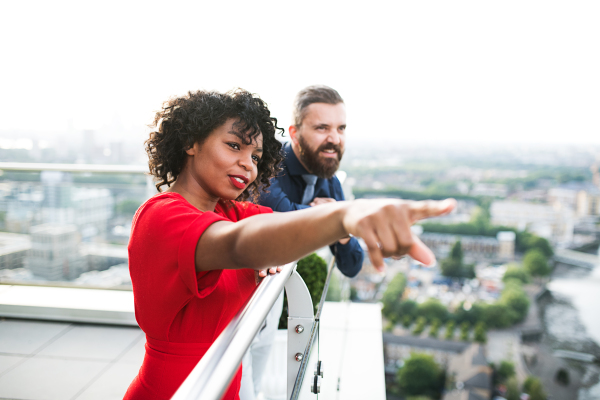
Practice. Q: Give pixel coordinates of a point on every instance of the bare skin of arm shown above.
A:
(264, 241)
(325, 200)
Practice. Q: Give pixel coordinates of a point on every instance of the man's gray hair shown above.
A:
(310, 95)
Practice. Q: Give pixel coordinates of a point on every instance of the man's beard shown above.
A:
(323, 167)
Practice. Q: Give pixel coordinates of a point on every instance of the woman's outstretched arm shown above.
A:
(268, 240)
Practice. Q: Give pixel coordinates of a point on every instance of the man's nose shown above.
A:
(334, 137)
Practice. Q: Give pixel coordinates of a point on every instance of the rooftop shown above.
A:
(59, 360)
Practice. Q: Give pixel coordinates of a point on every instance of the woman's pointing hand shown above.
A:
(385, 224)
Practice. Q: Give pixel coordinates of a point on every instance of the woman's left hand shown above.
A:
(271, 271)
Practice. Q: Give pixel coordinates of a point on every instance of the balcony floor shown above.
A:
(54, 360)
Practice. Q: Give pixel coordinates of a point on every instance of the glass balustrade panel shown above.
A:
(68, 228)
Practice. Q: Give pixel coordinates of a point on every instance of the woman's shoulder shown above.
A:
(238, 210)
(164, 203)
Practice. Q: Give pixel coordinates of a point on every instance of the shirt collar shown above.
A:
(293, 164)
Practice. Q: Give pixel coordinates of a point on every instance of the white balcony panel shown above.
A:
(67, 304)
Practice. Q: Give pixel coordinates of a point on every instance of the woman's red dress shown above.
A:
(181, 311)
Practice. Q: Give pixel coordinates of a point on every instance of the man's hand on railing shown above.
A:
(385, 224)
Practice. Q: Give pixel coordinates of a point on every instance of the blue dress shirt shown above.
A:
(285, 194)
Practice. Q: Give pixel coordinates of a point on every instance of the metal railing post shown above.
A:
(300, 322)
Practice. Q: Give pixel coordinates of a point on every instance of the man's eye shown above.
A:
(234, 145)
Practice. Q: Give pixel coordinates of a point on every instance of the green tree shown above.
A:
(562, 377)
(451, 268)
(515, 298)
(528, 382)
(434, 328)
(432, 309)
(392, 297)
(313, 270)
(407, 320)
(470, 312)
(480, 334)
(514, 272)
(536, 391)
(528, 241)
(420, 375)
(512, 389)
(480, 218)
(408, 307)
(465, 329)
(506, 370)
(450, 330)
(535, 263)
(498, 315)
(453, 265)
(420, 325)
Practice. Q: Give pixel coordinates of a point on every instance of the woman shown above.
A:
(194, 248)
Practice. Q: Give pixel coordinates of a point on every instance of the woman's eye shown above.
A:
(234, 146)
(256, 159)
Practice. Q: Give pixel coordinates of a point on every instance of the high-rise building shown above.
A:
(13, 250)
(55, 253)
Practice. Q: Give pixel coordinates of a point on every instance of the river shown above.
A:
(572, 317)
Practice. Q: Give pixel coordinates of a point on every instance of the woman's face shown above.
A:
(223, 165)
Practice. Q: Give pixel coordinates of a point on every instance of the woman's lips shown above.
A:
(238, 181)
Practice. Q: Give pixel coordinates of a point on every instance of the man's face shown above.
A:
(321, 138)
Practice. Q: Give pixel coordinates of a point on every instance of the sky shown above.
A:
(419, 71)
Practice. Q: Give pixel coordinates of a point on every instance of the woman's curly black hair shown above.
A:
(190, 119)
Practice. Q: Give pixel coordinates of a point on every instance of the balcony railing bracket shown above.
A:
(300, 313)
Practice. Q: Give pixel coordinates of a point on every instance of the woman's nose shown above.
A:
(246, 163)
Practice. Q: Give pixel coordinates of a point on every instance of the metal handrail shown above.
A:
(85, 168)
(212, 375)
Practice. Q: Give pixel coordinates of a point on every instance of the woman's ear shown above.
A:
(195, 149)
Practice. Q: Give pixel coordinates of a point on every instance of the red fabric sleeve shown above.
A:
(237, 211)
(199, 283)
(162, 247)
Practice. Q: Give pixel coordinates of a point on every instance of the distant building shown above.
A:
(506, 242)
(20, 202)
(465, 363)
(553, 222)
(87, 208)
(501, 248)
(54, 253)
(101, 256)
(13, 250)
(490, 189)
(470, 374)
(588, 201)
(582, 197)
(115, 276)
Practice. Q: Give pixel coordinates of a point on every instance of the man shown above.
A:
(311, 160)
(307, 180)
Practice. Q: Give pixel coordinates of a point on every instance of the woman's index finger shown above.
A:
(430, 208)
